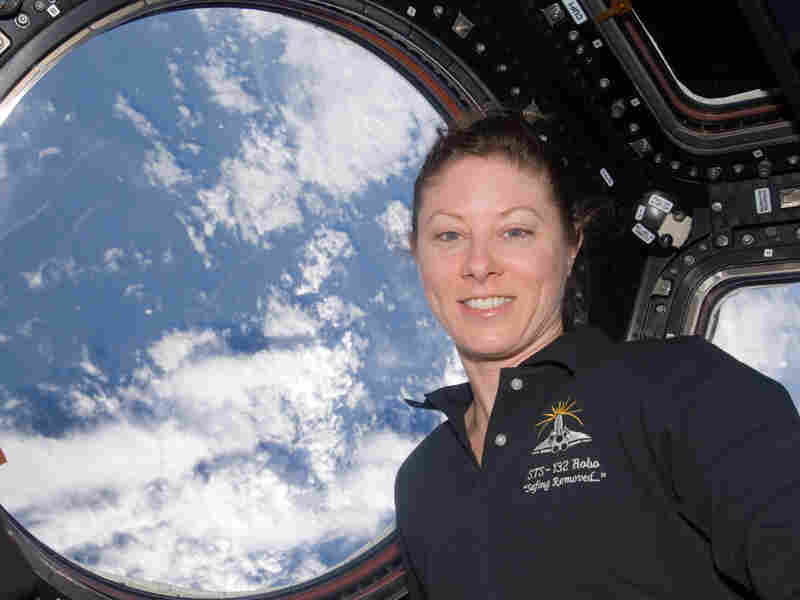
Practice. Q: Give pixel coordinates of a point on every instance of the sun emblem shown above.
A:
(560, 437)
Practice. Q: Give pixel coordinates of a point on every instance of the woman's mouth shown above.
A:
(487, 303)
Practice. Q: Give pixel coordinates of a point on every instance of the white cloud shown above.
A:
(283, 319)
(122, 108)
(187, 117)
(396, 224)
(111, 259)
(226, 88)
(173, 69)
(3, 162)
(338, 313)
(4, 338)
(191, 147)
(136, 290)
(257, 192)
(51, 272)
(320, 254)
(162, 169)
(353, 119)
(759, 326)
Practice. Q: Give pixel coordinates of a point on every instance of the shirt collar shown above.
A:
(576, 350)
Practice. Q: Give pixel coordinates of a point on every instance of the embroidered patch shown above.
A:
(559, 437)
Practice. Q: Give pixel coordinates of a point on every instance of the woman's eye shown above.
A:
(447, 236)
(517, 232)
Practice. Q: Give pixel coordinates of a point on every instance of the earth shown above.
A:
(209, 316)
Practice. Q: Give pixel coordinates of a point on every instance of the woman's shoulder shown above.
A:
(425, 459)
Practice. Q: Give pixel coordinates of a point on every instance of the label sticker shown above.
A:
(575, 11)
(607, 177)
(643, 233)
(660, 203)
(640, 212)
(53, 11)
(763, 200)
(768, 252)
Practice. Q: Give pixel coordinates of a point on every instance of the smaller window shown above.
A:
(760, 326)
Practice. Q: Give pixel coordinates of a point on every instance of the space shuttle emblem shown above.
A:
(560, 436)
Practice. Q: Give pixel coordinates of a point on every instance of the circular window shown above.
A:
(209, 314)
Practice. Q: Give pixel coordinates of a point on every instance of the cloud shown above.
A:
(3, 161)
(757, 325)
(162, 169)
(191, 147)
(320, 254)
(284, 319)
(395, 221)
(111, 259)
(226, 88)
(338, 313)
(123, 109)
(257, 192)
(51, 272)
(173, 69)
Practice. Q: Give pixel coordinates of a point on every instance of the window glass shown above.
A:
(209, 317)
(760, 326)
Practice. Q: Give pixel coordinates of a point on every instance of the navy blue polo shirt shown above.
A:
(610, 470)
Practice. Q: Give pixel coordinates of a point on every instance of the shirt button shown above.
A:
(500, 439)
(516, 384)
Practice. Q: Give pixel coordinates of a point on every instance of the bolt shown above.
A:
(674, 270)
(716, 206)
(605, 83)
(515, 91)
(738, 168)
(573, 35)
(39, 5)
(661, 309)
(758, 153)
(618, 109)
(675, 165)
(480, 47)
(22, 20)
(748, 239)
(411, 11)
(764, 169)
(580, 49)
(722, 240)
(689, 260)
(502, 68)
(693, 172)
(714, 173)
(703, 247)
(658, 158)
(633, 128)
(438, 10)
(793, 160)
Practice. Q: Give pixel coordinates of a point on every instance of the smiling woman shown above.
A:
(203, 368)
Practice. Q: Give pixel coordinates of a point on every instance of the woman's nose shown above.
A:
(480, 261)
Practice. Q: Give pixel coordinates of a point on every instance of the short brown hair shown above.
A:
(530, 146)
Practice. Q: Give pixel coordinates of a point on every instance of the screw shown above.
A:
(411, 11)
(580, 49)
(438, 10)
(633, 127)
(515, 91)
(661, 309)
(714, 173)
(22, 20)
(703, 247)
(738, 168)
(674, 270)
(480, 47)
(693, 172)
(797, 233)
(675, 165)
(39, 5)
(716, 206)
(689, 260)
(758, 153)
(502, 68)
(658, 158)
(748, 239)
(722, 240)
(573, 35)
(605, 83)
(793, 160)
(764, 169)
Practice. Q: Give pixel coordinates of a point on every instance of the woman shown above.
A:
(570, 465)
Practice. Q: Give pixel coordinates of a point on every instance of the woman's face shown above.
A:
(493, 258)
